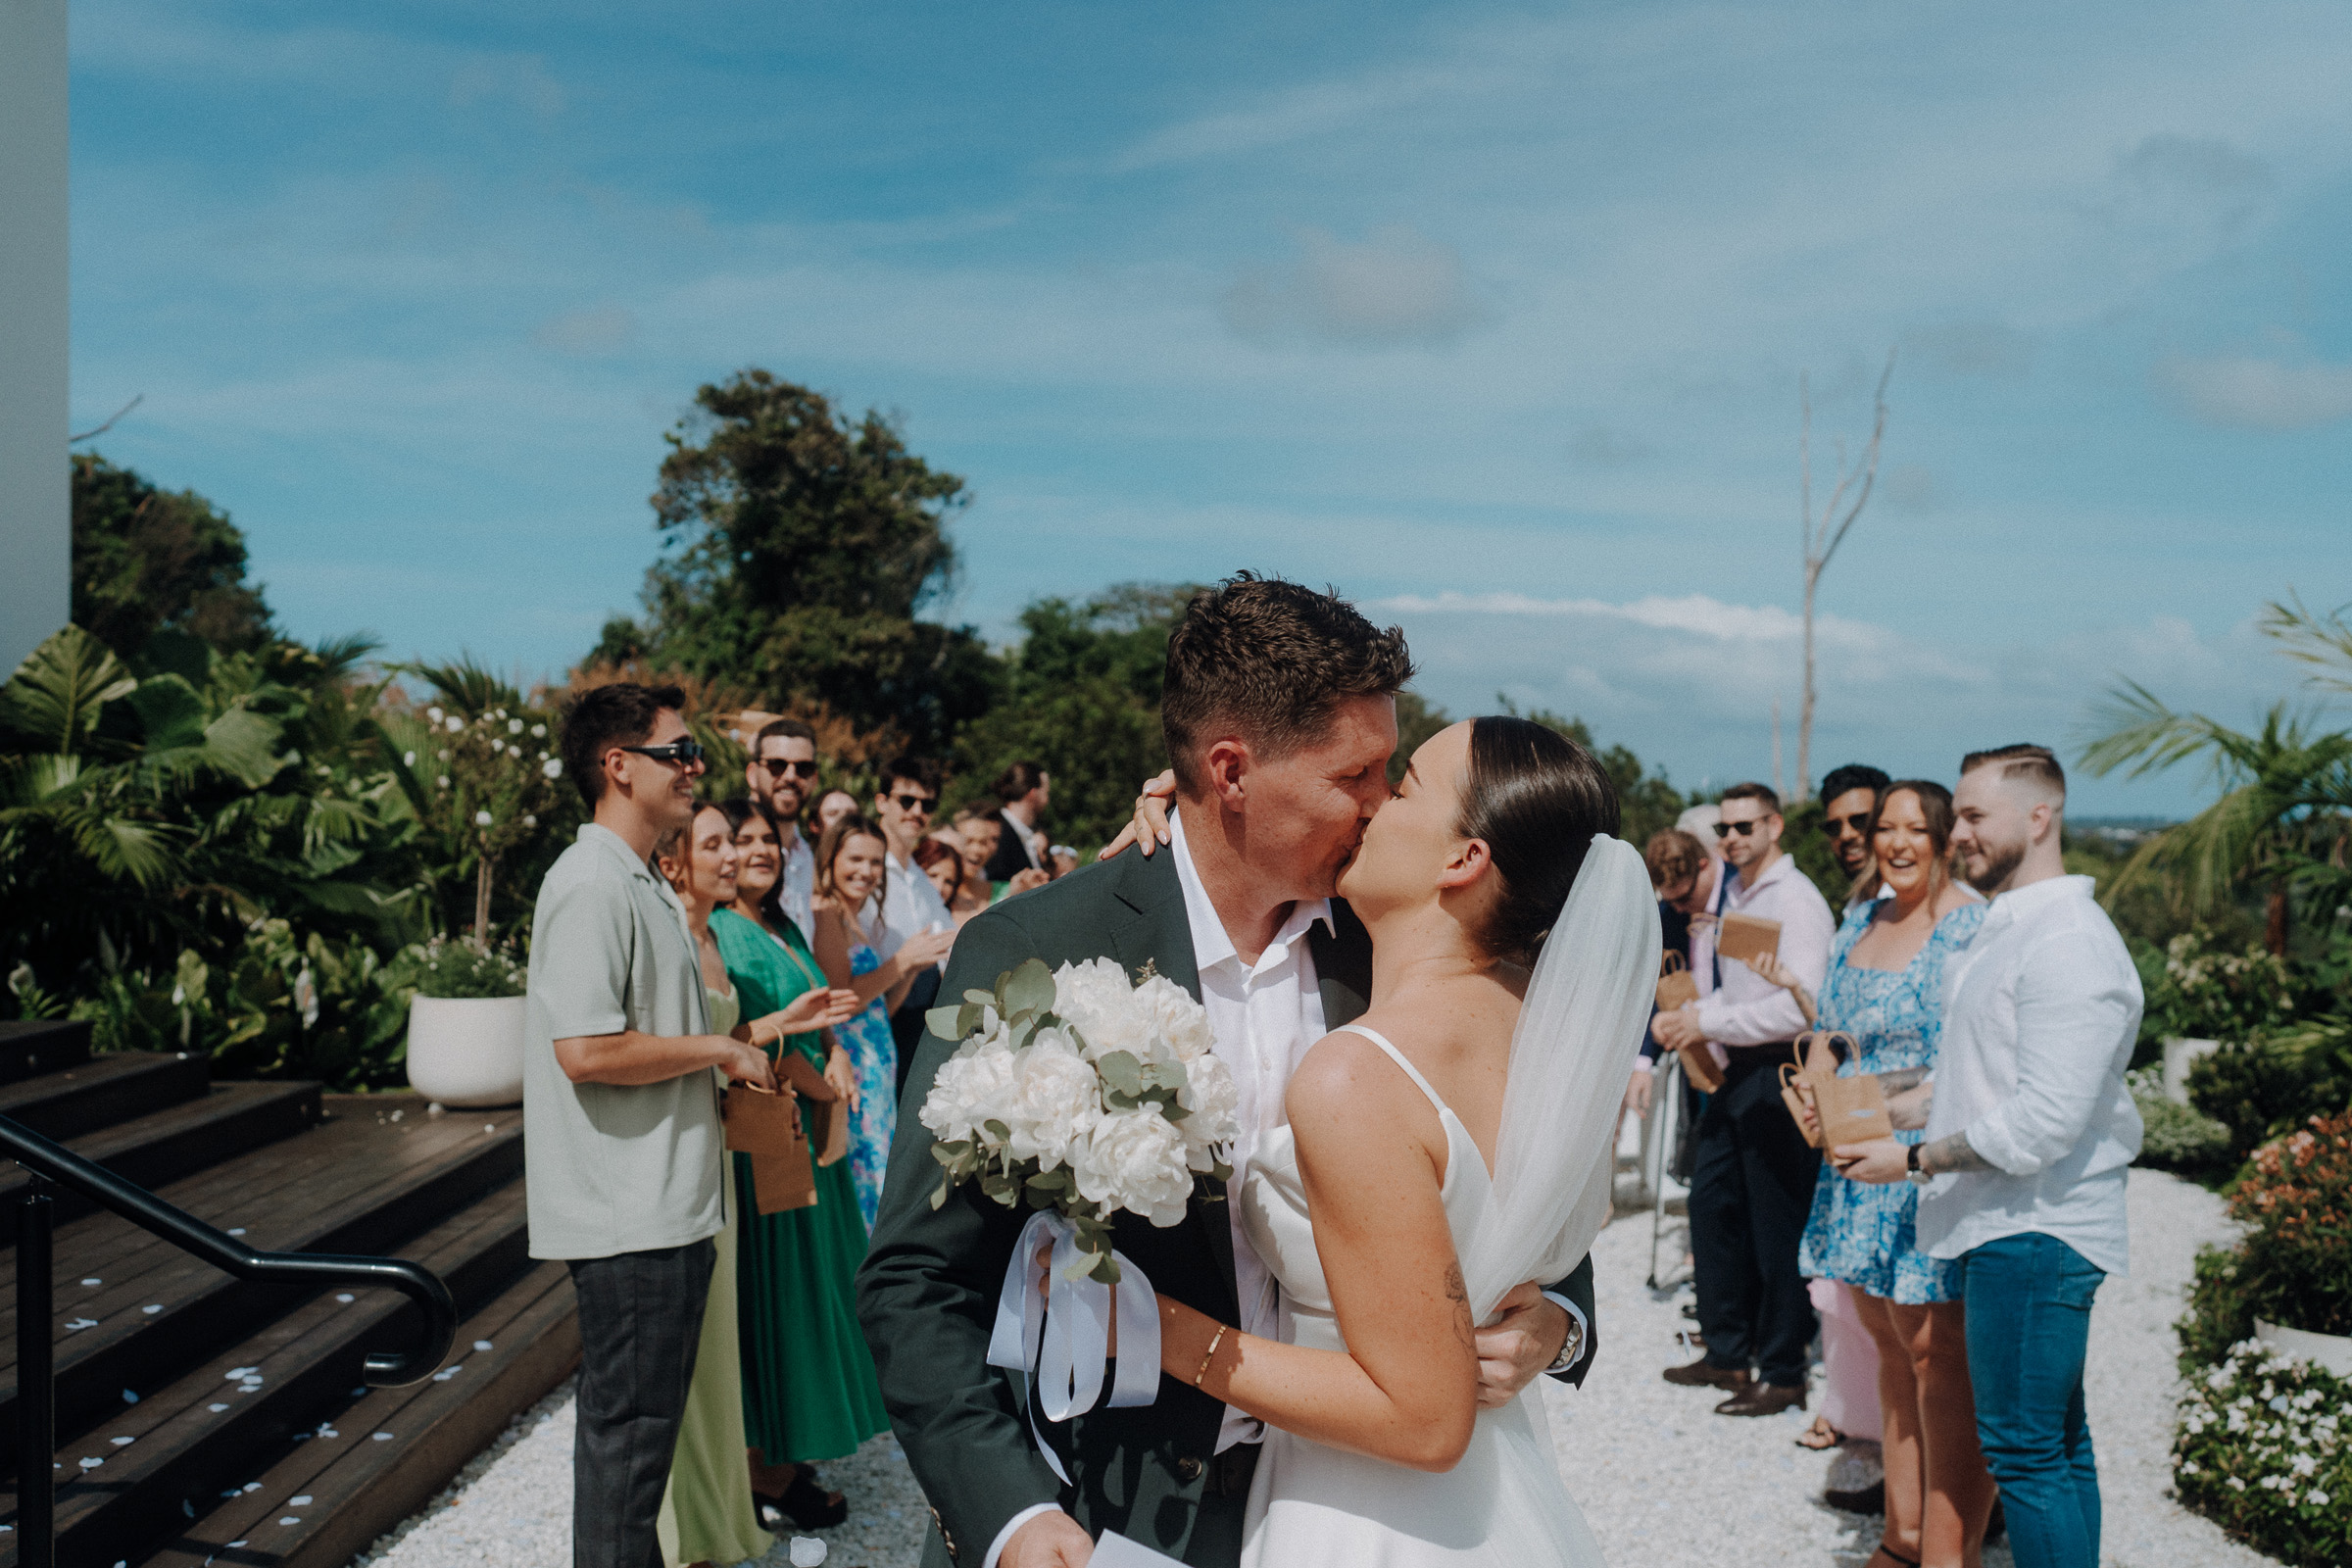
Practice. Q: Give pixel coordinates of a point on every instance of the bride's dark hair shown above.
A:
(1536, 799)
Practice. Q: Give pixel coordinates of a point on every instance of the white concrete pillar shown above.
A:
(35, 509)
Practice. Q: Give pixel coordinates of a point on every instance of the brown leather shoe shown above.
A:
(1763, 1398)
(1705, 1374)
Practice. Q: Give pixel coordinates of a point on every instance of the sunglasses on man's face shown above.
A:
(1859, 822)
(1725, 829)
(777, 767)
(684, 753)
(916, 805)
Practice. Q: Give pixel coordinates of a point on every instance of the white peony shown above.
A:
(1178, 1020)
(1215, 1104)
(1099, 1005)
(973, 1088)
(1055, 1099)
(1135, 1160)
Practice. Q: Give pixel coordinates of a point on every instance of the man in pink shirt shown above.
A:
(1751, 1186)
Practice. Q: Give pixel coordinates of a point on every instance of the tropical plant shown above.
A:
(2174, 1136)
(2204, 994)
(443, 967)
(2269, 1083)
(2293, 1266)
(2285, 806)
(147, 559)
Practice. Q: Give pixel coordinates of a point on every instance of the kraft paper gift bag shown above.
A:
(1699, 1065)
(767, 1127)
(1743, 936)
(1846, 1110)
(1677, 985)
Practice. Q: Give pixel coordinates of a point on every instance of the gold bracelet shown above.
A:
(1214, 1340)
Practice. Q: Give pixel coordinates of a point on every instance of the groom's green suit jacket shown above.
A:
(928, 1292)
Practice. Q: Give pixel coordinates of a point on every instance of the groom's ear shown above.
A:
(1223, 769)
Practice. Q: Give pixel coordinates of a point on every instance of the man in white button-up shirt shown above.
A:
(2028, 1143)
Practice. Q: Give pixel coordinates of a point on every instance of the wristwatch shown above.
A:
(1911, 1171)
(1571, 1349)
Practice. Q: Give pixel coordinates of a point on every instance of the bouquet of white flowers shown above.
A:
(1086, 1096)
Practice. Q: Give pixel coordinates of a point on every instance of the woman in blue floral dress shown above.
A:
(850, 867)
(1884, 987)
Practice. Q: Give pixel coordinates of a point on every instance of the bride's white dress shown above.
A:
(1504, 1504)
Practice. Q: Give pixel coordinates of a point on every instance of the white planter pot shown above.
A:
(2330, 1350)
(467, 1051)
(2178, 1054)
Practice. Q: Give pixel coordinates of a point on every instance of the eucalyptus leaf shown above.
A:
(1030, 988)
(1121, 1071)
(946, 1022)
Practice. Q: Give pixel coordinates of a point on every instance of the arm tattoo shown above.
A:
(1902, 1078)
(1455, 1287)
(1953, 1154)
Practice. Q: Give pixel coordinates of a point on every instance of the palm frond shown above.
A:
(54, 697)
(2324, 642)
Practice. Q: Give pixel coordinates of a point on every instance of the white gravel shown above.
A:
(1665, 1481)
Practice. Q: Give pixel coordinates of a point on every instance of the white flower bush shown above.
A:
(1083, 1093)
(2263, 1450)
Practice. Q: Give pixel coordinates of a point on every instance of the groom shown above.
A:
(1279, 708)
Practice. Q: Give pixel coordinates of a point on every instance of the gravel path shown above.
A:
(1665, 1481)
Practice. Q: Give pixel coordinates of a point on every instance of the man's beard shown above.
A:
(1999, 861)
(776, 803)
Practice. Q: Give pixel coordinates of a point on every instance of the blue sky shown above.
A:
(1494, 318)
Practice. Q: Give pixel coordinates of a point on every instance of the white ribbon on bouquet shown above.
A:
(1062, 1340)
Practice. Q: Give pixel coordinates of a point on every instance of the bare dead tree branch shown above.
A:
(1823, 532)
(101, 430)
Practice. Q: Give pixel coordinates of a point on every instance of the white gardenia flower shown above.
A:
(539, 731)
(513, 726)
(552, 767)
(408, 759)
(1055, 1100)
(433, 713)
(1135, 1160)
(456, 724)
(481, 819)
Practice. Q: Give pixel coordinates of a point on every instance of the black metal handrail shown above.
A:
(47, 1161)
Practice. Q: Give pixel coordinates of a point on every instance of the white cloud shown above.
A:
(600, 331)
(2264, 394)
(520, 79)
(1397, 287)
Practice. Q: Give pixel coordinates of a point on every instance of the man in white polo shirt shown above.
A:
(2028, 1145)
(623, 1140)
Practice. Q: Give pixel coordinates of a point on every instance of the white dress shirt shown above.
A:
(797, 884)
(1747, 1009)
(2039, 1017)
(1264, 1017)
(911, 904)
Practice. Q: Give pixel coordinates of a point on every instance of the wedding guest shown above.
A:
(1848, 796)
(708, 1513)
(1023, 793)
(782, 773)
(852, 899)
(831, 808)
(1684, 875)
(942, 860)
(1064, 859)
(807, 1380)
(1884, 987)
(1751, 1185)
(974, 837)
(910, 795)
(621, 1107)
(2027, 1142)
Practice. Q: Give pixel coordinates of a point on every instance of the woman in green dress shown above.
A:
(809, 1391)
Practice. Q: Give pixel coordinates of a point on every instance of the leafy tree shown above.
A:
(146, 558)
(1081, 696)
(800, 544)
(1648, 802)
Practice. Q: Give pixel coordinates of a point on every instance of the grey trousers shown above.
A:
(640, 1320)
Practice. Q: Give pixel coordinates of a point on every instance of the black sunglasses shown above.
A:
(685, 753)
(919, 804)
(1722, 829)
(1859, 822)
(777, 767)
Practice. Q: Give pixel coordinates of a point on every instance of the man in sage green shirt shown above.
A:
(623, 1141)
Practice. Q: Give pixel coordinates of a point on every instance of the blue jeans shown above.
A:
(2028, 1326)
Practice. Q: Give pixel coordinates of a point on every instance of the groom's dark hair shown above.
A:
(1273, 661)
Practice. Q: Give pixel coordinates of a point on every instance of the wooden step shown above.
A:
(102, 1092)
(139, 1477)
(34, 1045)
(164, 1145)
(359, 1182)
(383, 1455)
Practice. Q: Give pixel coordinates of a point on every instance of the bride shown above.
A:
(1449, 1145)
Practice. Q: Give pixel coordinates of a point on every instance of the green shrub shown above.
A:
(445, 968)
(2294, 1264)
(2263, 1453)
(2176, 1137)
(2262, 1085)
(286, 1006)
(2205, 994)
